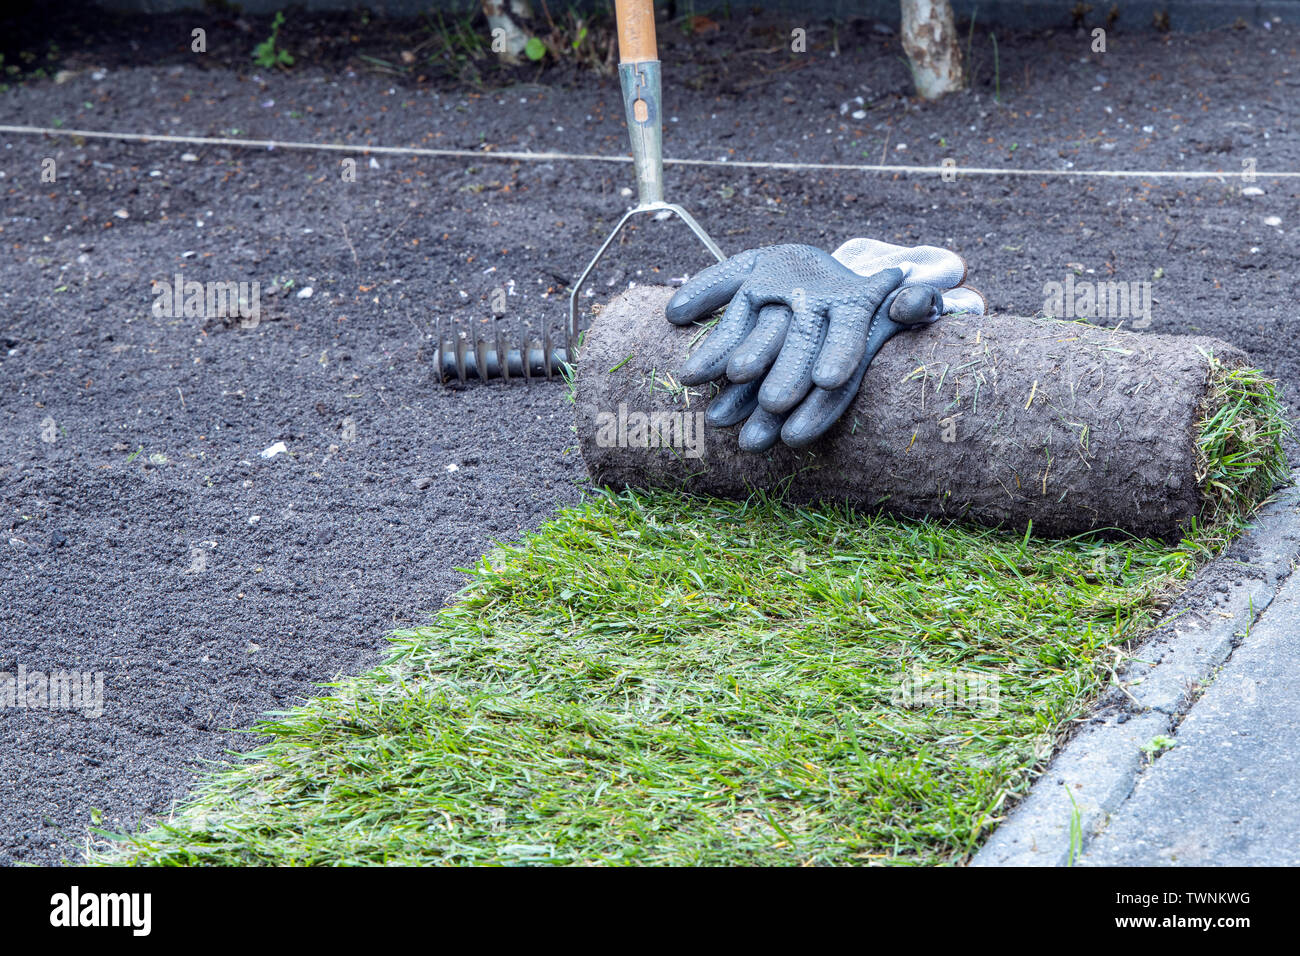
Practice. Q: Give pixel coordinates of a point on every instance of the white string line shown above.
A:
(1247, 175)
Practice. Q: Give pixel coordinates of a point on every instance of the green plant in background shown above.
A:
(457, 46)
(267, 54)
(586, 41)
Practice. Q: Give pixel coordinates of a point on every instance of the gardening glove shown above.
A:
(814, 322)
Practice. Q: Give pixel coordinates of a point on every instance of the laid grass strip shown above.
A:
(653, 678)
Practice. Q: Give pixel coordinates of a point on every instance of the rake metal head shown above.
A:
(473, 353)
(462, 354)
(462, 357)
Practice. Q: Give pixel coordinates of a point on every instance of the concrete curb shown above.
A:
(1095, 772)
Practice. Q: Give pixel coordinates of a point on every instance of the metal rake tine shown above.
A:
(524, 364)
(480, 356)
(497, 345)
(460, 345)
(444, 351)
(437, 346)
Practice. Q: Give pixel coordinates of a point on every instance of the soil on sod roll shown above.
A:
(1016, 422)
(160, 421)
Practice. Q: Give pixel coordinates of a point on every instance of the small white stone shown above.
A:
(305, 292)
(1273, 221)
(453, 467)
(189, 158)
(1251, 191)
(274, 450)
(122, 214)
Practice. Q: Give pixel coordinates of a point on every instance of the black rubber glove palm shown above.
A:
(814, 322)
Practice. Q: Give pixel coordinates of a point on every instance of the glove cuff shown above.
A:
(929, 265)
(964, 301)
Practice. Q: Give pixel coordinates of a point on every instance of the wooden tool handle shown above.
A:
(636, 30)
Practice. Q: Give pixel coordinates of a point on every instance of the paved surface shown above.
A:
(1229, 792)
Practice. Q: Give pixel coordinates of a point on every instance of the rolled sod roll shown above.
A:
(1000, 420)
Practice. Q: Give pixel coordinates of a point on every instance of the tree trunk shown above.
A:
(990, 418)
(930, 42)
(513, 38)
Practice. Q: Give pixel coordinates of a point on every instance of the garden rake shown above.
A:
(639, 76)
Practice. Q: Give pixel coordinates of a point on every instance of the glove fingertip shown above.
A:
(758, 435)
(777, 400)
(683, 309)
(797, 435)
(696, 370)
(733, 405)
(831, 375)
(742, 368)
(693, 376)
(811, 420)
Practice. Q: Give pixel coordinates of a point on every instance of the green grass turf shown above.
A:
(653, 678)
